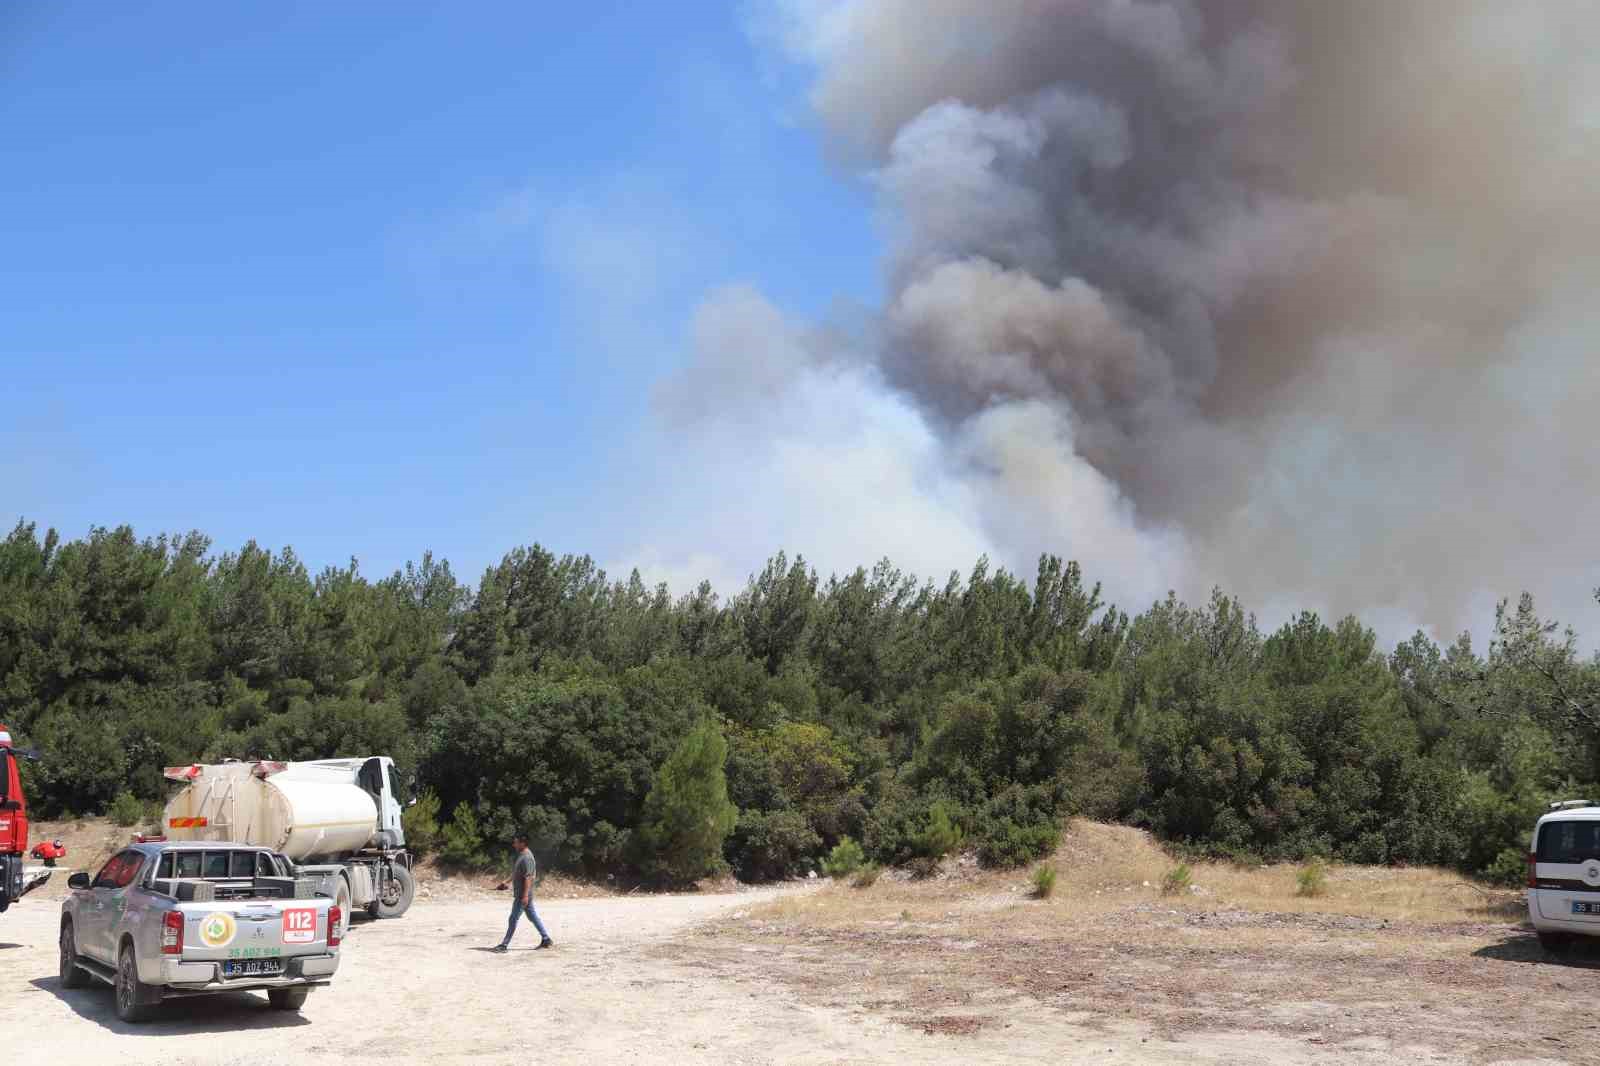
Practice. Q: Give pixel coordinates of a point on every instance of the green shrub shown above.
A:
(687, 816)
(463, 840)
(770, 845)
(1312, 880)
(1177, 881)
(940, 834)
(890, 832)
(126, 809)
(1044, 882)
(866, 876)
(420, 823)
(1510, 868)
(923, 867)
(845, 858)
(1011, 845)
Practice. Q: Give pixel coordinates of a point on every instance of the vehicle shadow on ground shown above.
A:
(226, 1012)
(1525, 947)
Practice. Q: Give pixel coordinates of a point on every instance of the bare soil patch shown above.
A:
(1390, 962)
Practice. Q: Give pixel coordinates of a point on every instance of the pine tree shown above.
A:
(687, 815)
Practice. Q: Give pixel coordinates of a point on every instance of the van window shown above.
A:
(1569, 842)
(216, 865)
(164, 868)
(242, 864)
(264, 867)
(189, 863)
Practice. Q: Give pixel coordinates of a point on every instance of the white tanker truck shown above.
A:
(334, 820)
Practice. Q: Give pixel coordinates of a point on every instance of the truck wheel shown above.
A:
(1555, 943)
(342, 898)
(395, 897)
(287, 998)
(136, 1001)
(72, 975)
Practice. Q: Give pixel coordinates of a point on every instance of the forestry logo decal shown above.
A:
(217, 929)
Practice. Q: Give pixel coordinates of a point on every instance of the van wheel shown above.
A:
(395, 897)
(72, 975)
(136, 1001)
(1555, 943)
(287, 998)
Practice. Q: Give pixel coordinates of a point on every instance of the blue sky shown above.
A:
(372, 279)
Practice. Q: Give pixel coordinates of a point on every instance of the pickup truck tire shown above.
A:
(287, 998)
(394, 898)
(72, 975)
(136, 1001)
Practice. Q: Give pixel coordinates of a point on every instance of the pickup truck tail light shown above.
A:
(335, 919)
(172, 933)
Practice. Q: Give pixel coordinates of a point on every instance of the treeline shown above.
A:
(907, 716)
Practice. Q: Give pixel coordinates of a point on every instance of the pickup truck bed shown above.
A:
(166, 920)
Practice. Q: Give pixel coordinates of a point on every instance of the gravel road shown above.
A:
(626, 984)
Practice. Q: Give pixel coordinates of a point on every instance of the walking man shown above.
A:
(522, 873)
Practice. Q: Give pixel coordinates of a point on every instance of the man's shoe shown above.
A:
(545, 943)
(499, 949)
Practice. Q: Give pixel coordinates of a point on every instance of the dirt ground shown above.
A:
(965, 968)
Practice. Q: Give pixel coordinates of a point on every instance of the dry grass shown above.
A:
(1101, 868)
(1405, 958)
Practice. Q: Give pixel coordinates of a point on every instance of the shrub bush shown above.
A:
(420, 822)
(866, 876)
(845, 858)
(1010, 844)
(1312, 880)
(770, 845)
(1044, 882)
(462, 839)
(940, 835)
(125, 809)
(1177, 881)
(1510, 868)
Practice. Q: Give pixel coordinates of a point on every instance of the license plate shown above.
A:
(1585, 908)
(252, 967)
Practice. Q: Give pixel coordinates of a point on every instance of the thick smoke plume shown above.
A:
(1312, 286)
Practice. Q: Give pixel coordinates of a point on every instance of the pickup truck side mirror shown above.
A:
(78, 880)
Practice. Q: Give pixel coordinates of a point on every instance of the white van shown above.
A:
(1564, 874)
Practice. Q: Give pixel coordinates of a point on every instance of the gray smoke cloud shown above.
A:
(1309, 286)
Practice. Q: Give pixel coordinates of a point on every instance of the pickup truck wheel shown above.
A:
(72, 975)
(395, 897)
(136, 1001)
(287, 998)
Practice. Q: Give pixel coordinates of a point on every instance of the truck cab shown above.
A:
(13, 824)
(377, 778)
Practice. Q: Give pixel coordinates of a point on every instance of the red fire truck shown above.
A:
(14, 880)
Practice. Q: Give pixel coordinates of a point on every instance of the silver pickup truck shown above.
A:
(162, 920)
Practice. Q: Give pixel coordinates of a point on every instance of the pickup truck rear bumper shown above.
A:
(194, 978)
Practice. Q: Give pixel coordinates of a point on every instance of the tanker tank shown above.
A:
(300, 813)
